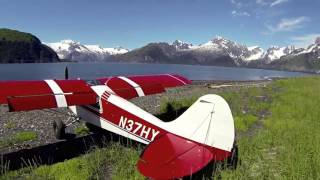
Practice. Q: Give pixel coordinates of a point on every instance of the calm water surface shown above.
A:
(91, 71)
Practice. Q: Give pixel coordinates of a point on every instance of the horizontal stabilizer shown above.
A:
(172, 157)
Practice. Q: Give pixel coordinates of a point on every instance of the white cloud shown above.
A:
(240, 13)
(270, 3)
(305, 40)
(261, 2)
(290, 24)
(277, 2)
(237, 3)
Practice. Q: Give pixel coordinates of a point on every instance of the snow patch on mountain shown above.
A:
(223, 46)
(180, 45)
(274, 53)
(243, 54)
(312, 48)
(238, 52)
(255, 53)
(215, 48)
(73, 50)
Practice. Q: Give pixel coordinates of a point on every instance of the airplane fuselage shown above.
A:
(120, 116)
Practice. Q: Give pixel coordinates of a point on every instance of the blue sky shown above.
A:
(134, 23)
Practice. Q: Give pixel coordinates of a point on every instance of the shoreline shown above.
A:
(204, 65)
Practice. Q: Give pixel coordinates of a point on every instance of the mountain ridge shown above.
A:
(218, 51)
(75, 51)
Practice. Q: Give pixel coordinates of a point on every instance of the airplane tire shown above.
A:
(58, 129)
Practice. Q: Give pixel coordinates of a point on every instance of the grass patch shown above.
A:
(243, 122)
(116, 161)
(17, 138)
(82, 130)
(288, 147)
(25, 136)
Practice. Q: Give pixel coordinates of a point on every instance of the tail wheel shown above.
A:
(234, 158)
(59, 129)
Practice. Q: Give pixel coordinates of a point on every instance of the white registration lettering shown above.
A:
(139, 125)
(154, 134)
(129, 125)
(123, 121)
(135, 127)
(145, 131)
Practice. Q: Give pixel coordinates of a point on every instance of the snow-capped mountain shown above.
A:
(223, 52)
(313, 48)
(239, 52)
(243, 54)
(218, 51)
(256, 53)
(310, 52)
(220, 44)
(72, 50)
(302, 59)
(274, 53)
(180, 45)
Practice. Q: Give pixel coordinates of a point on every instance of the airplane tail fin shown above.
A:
(208, 121)
(203, 133)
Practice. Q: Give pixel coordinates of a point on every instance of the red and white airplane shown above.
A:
(202, 134)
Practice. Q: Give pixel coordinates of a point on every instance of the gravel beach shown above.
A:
(40, 121)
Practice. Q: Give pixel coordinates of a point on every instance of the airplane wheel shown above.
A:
(58, 128)
(234, 158)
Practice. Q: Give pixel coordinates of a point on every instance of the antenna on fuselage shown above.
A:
(66, 73)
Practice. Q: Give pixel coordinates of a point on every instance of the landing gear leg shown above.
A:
(232, 161)
(59, 128)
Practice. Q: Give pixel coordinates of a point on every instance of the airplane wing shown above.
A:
(30, 95)
(136, 86)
